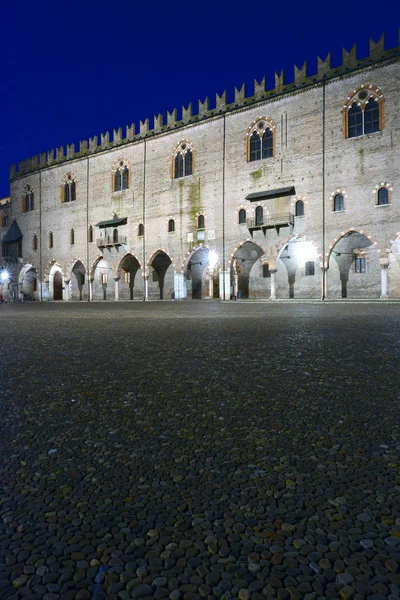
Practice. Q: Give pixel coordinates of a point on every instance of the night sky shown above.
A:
(74, 69)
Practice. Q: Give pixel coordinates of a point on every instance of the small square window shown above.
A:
(360, 264)
(310, 268)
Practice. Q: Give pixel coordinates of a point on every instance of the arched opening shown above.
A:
(394, 269)
(103, 283)
(161, 281)
(57, 286)
(115, 236)
(195, 273)
(259, 215)
(248, 282)
(129, 267)
(354, 270)
(78, 281)
(28, 282)
(298, 273)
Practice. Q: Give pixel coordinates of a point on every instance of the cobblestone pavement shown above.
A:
(200, 450)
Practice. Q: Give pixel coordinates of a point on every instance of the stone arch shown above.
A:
(246, 270)
(353, 265)
(78, 288)
(391, 258)
(371, 92)
(101, 276)
(161, 279)
(28, 282)
(127, 270)
(298, 268)
(196, 264)
(56, 280)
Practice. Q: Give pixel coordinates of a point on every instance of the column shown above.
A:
(44, 291)
(67, 289)
(90, 290)
(384, 263)
(225, 276)
(273, 284)
(324, 286)
(116, 287)
(179, 286)
(146, 283)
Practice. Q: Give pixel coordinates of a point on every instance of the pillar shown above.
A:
(44, 291)
(146, 283)
(179, 286)
(67, 290)
(224, 276)
(116, 287)
(384, 263)
(324, 286)
(273, 284)
(90, 290)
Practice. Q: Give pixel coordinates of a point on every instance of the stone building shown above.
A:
(291, 192)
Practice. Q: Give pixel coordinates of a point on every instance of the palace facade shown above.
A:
(286, 193)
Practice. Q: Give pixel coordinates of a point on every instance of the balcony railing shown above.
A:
(270, 221)
(108, 240)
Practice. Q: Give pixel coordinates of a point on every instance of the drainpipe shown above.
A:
(144, 225)
(223, 209)
(87, 229)
(323, 294)
(40, 236)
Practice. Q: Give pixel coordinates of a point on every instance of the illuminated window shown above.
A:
(121, 176)
(338, 203)
(363, 111)
(182, 160)
(260, 139)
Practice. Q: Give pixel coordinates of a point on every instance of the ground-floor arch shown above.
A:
(353, 267)
(298, 269)
(161, 276)
(56, 283)
(28, 282)
(78, 287)
(103, 287)
(198, 285)
(247, 272)
(128, 275)
(393, 267)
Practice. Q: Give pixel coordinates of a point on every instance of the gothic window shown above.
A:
(182, 164)
(360, 264)
(121, 175)
(34, 242)
(383, 196)
(309, 268)
(242, 216)
(299, 208)
(338, 203)
(115, 236)
(260, 139)
(4, 220)
(259, 215)
(72, 236)
(171, 226)
(51, 240)
(363, 111)
(28, 199)
(200, 222)
(69, 188)
(90, 233)
(140, 229)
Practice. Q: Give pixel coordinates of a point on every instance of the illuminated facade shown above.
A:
(288, 193)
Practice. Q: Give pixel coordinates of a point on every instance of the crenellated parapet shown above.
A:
(302, 79)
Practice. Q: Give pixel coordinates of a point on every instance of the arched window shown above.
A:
(338, 202)
(51, 240)
(4, 220)
(72, 236)
(121, 175)
(69, 188)
(363, 111)
(260, 137)
(171, 226)
(115, 236)
(90, 233)
(34, 242)
(259, 215)
(28, 202)
(183, 160)
(299, 208)
(140, 229)
(242, 216)
(383, 196)
(200, 222)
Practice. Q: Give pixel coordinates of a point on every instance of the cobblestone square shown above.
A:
(200, 450)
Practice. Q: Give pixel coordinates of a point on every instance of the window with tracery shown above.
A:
(28, 199)
(69, 188)
(121, 175)
(182, 160)
(363, 111)
(260, 139)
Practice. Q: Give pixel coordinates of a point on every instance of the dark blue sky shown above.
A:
(75, 69)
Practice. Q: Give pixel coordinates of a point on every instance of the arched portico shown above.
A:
(298, 269)
(197, 264)
(127, 272)
(247, 272)
(78, 287)
(102, 280)
(28, 282)
(353, 266)
(391, 262)
(56, 283)
(161, 277)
